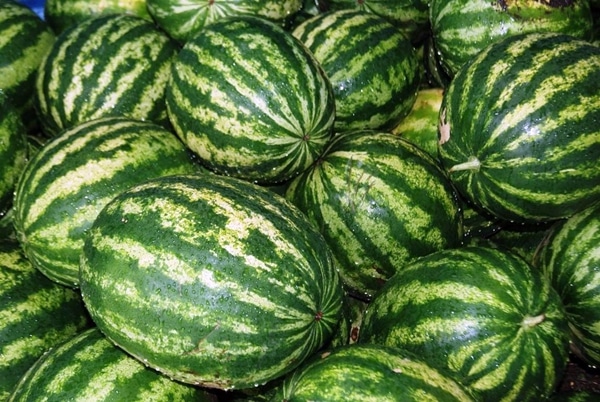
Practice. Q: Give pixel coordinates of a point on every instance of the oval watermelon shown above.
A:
(66, 184)
(370, 372)
(380, 202)
(210, 279)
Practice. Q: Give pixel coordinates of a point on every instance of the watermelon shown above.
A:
(184, 19)
(36, 314)
(61, 14)
(519, 133)
(110, 65)
(89, 367)
(372, 66)
(481, 313)
(13, 150)
(66, 184)
(411, 16)
(250, 100)
(211, 280)
(462, 28)
(420, 126)
(370, 372)
(570, 258)
(380, 202)
(24, 41)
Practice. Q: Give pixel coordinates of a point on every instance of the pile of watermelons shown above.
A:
(289, 200)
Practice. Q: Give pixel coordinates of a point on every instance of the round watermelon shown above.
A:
(482, 314)
(518, 128)
(108, 65)
(370, 372)
(462, 28)
(250, 100)
(372, 66)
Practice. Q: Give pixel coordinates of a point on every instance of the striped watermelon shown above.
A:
(519, 131)
(61, 14)
(364, 372)
(372, 66)
(66, 184)
(481, 313)
(380, 202)
(420, 126)
(570, 258)
(462, 28)
(250, 100)
(24, 41)
(411, 16)
(210, 279)
(113, 65)
(13, 150)
(88, 367)
(184, 19)
(36, 314)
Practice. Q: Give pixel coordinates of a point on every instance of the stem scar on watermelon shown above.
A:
(444, 128)
(532, 321)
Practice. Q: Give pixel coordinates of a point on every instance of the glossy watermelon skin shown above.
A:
(369, 372)
(89, 367)
(25, 40)
(372, 66)
(110, 65)
(36, 314)
(250, 100)
(380, 202)
(569, 258)
(530, 153)
(65, 185)
(462, 28)
(183, 20)
(411, 16)
(211, 280)
(481, 313)
(61, 14)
